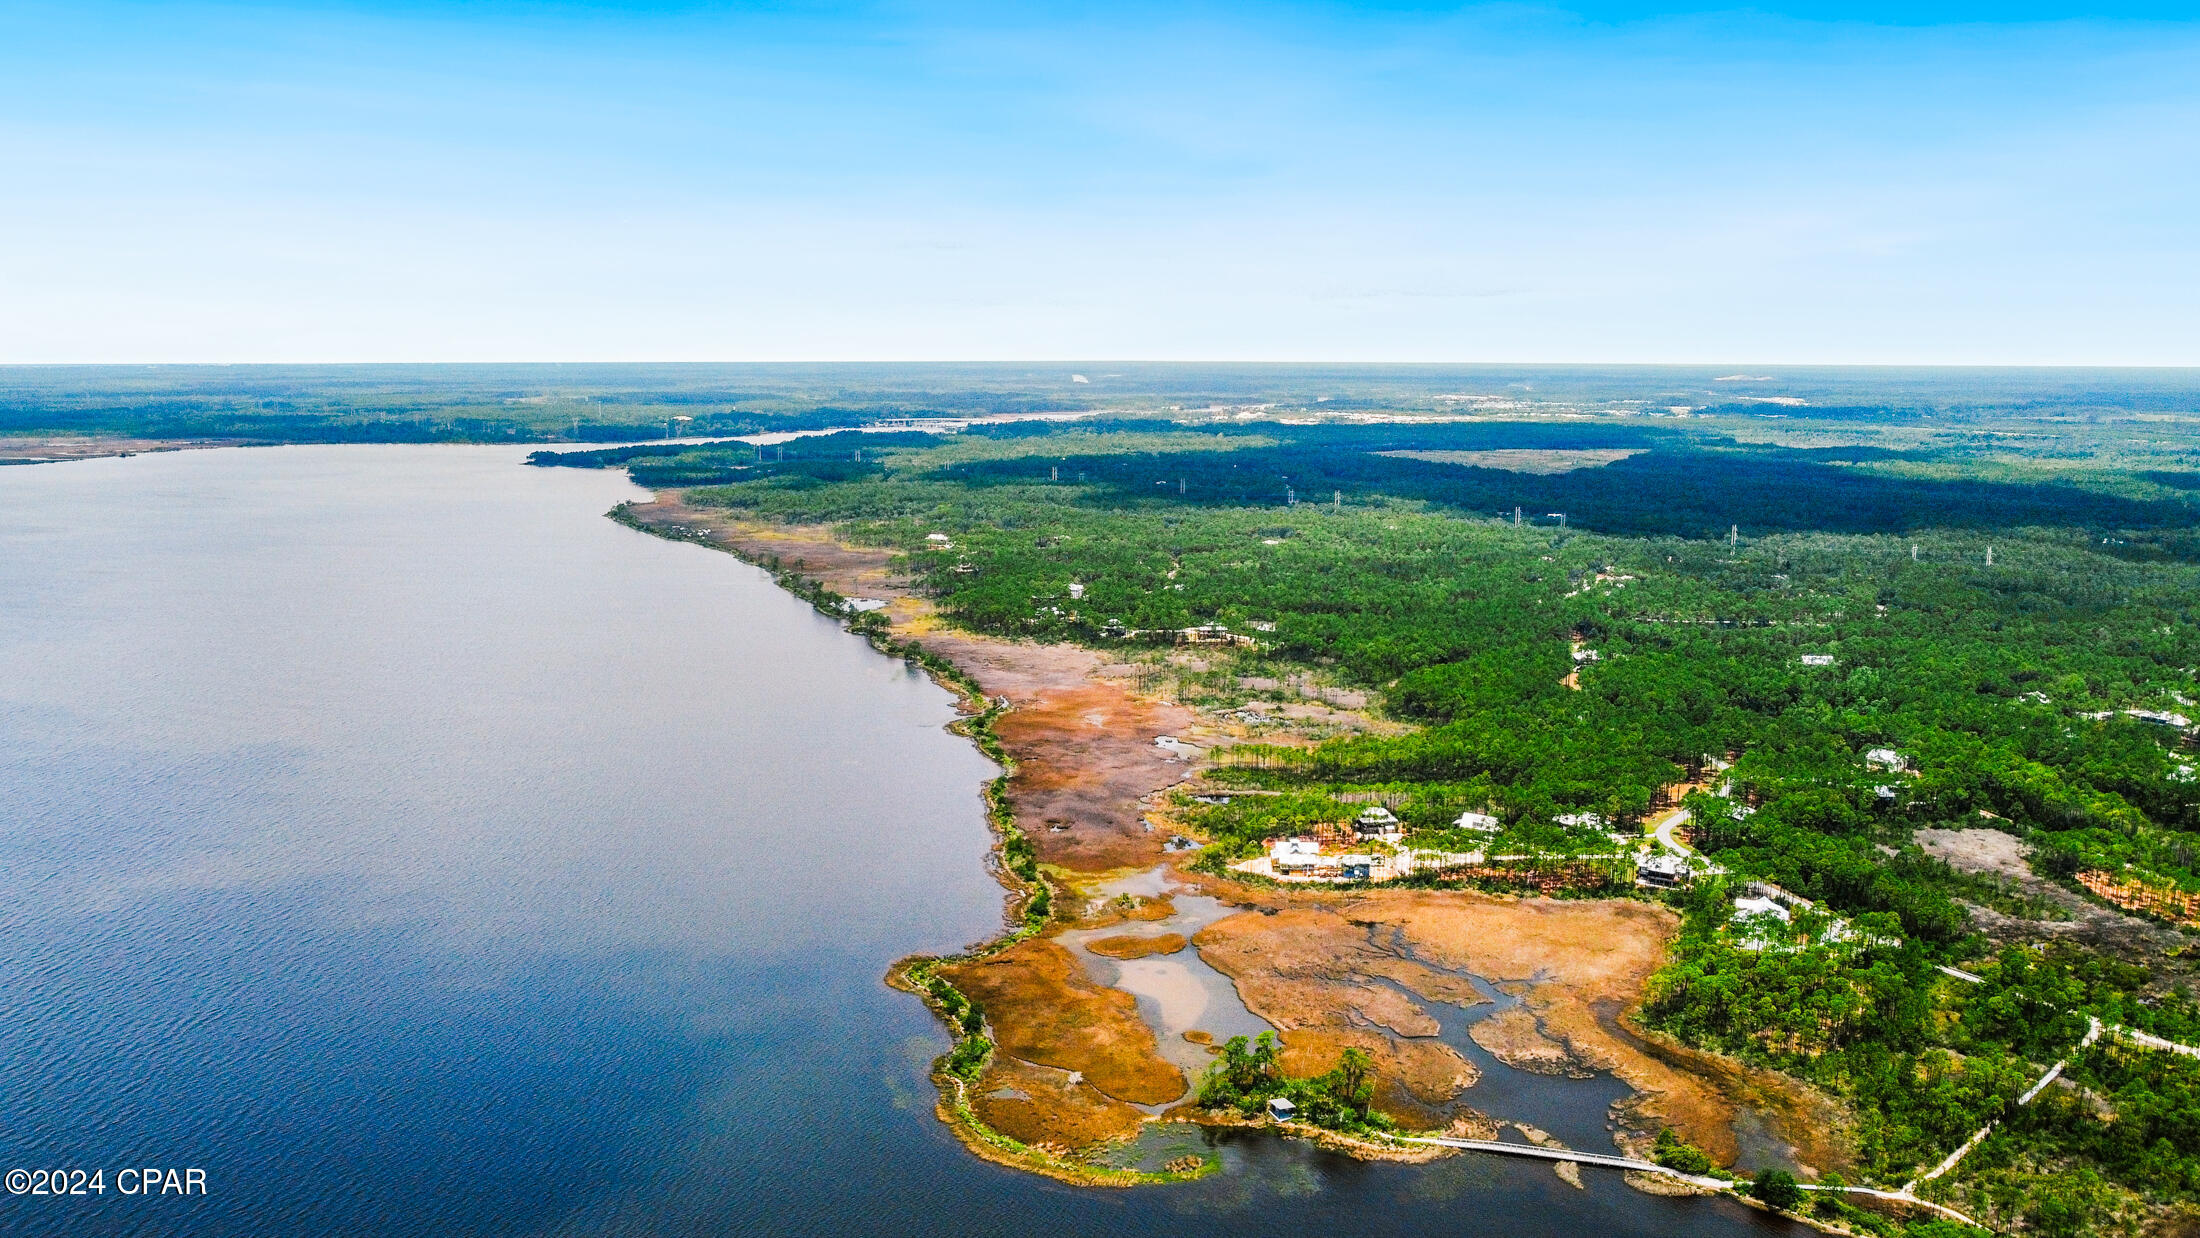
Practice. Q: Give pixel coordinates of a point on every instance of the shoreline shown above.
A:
(1029, 901)
(809, 564)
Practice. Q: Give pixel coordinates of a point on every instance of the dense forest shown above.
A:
(1576, 616)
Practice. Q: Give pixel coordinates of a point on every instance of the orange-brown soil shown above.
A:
(1588, 960)
(1128, 947)
(1317, 977)
(1513, 1038)
(1043, 1009)
(1039, 1105)
(1308, 969)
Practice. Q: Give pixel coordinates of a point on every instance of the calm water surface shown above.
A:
(389, 835)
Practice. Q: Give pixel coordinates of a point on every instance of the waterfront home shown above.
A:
(1282, 1110)
(1479, 822)
(1377, 822)
(1662, 872)
(1294, 856)
(1357, 867)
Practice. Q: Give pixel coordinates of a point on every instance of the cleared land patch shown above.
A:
(1523, 459)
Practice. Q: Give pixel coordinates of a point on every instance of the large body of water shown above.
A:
(387, 834)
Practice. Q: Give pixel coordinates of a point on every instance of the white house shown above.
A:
(1662, 871)
(1357, 867)
(1760, 906)
(1294, 855)
(1754, 919)
(1281, 1110)
(1479, 822)
(1885, 759)
(1581, 820)
(1377, 822)
(1818, 659)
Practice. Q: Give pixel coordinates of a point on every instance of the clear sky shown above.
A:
(1572, 181)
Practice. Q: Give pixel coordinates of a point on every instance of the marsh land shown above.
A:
(1892, 673)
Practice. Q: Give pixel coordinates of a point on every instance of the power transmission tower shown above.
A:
(1516, 515)
(1913, 552)
(1336, 502)
(1733, 537)
(1989, 556)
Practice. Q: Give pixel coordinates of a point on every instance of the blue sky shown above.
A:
(1790, 182)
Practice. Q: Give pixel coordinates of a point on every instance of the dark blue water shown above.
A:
(413, 851)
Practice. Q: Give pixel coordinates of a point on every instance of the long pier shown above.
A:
(1567, 1154)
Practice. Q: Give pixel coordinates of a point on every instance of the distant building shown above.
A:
(1282, 1110)
(1664, 872)
(1587, 655)
(1210, 634)
(1296, 856)
(1582, 820)
(1377, 822)
(1760, 906)
(1754, 919)
(2157, 717)
(1357, 867)
(939, 541)
(1886, 759)
(1479, 822)
(1818, 659)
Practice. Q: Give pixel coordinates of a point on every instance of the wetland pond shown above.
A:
(414, 851)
